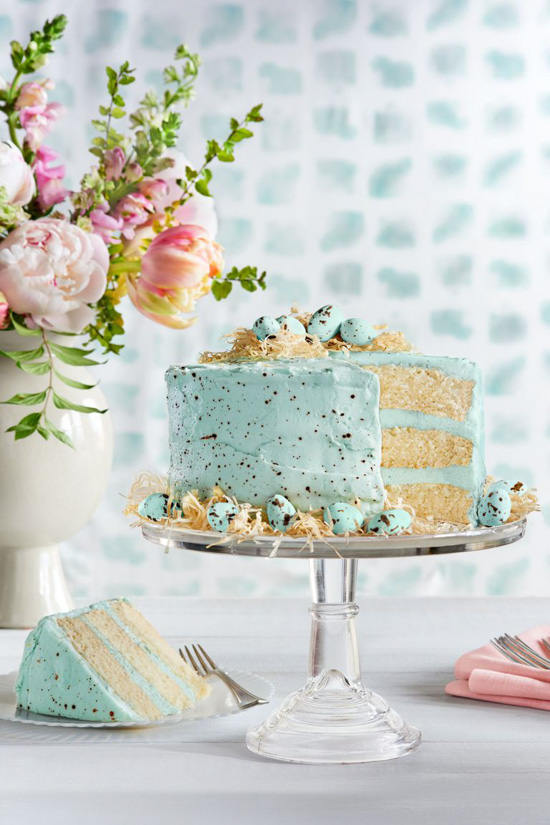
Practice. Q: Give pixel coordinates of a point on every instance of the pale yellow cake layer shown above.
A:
(444, 502)
(428, 391)
(409, 447)
(139, 659)
(92, 649)
(142, 628)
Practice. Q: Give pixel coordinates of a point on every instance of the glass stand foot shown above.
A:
(333, 721)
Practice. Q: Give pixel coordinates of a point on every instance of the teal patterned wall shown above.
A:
(402, 171)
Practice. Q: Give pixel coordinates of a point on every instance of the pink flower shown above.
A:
(133, 172)
(51, 270)
(49, 179)
(114, 163)
(176, 270)
(4, 312)
(154, 188)
(15, 175)
(134, 209)
(106, 226)
(37, 121)
(31, 94)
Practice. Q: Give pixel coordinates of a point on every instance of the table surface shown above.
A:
(479, 763)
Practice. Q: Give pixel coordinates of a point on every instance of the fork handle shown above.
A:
(243, 697)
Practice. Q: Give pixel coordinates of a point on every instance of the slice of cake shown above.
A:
(104, 663)
(305, 428)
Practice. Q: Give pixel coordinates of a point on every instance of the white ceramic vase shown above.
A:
(48, 491)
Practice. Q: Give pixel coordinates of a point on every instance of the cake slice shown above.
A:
(104, 663)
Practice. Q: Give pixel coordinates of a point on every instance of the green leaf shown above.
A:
(24, 355)
(37, 368)
(28, 398)
(241, 134)
(27, 426)
(43, 432)
(59, 434)
(250, 286)
(201, 187)
(65, 404)
(22, 329)
(221, 289)
(118, 112)
(73, 356)
(72, 383)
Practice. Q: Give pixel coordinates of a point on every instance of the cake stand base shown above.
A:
(332, 721)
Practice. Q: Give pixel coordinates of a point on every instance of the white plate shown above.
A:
(220, 702)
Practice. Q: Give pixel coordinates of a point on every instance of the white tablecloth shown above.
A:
(479, 763)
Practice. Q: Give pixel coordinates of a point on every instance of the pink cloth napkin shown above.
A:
(488, 675)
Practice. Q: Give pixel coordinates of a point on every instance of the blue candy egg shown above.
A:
(264, 326)
(220, 514)
(280, 513)
(292, 324)
(494, 507)
(357, 331)
(390, 522)
(325, 323)
(510, 486)
(154, 507)
(345, 518)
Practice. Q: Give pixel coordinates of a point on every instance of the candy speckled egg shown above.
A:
(390, 522)
(325, 323)
(357, 331)
(264, 326)
(510, 486)
(494, 507)
(220, 514)
(292, 324)
(345, 518)
(154, 507)
(280, 513)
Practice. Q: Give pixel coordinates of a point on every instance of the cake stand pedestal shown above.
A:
(334, 718)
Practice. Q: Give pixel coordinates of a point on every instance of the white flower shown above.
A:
(15, 175)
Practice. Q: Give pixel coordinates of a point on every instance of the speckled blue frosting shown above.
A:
(308, 429)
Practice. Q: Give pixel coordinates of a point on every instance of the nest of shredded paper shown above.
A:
(386, 341)
(522, 503)
(246, 347)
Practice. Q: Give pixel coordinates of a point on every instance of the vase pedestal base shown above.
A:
(333, 721)
(32, 585)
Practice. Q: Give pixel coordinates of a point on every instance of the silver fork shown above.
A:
(204, 666)
(516, 650)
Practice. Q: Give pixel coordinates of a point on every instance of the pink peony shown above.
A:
(49, 179)
(31, 94)
(106, 226)
(114, 163)
(175, 271)
(4, 312)
(37, 121)
(15, 175)
(51, 270)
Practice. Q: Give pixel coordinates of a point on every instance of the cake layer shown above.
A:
(443, 502)
(305, 428)
(410, 447)
(428, 391)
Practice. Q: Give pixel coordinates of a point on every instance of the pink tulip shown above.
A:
(31, 94)
(106, 226)
(49, 178)
(37, 121)
(114, 163)
(4, 312)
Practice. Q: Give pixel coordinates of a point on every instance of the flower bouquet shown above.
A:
(140, 225)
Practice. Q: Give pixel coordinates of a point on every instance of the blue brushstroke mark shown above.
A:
(401, 582)
(395, 235)
(449, 61)
(276, 27)
(506, 580)
(502, 379)
(344, 278)
(450, 166)
(336, 174)
(391, 127)
(214, 126)
(399, 284)
(344, 229)
(128, 448)
(64, 93)
(509, 431)
(514, 471)
(505, 329)
(545, 313)
(224, 74)
(444, 113)
(108, 29)
(450, 322)
(385, 181)
(281, 81)
(123, 548)
(285, 291)
(278, 186)
(155, 79)
(505, 66)
(281, 133)
(508, 227)
(456, 271)
(458, 218)
(388, 23)
(129, 355)
(500, 167)
(157, 408)
(122, 396)
(504, 119)
(501, 16)
(235, 234)
(159, 33)
(337, 68)
(225, 23)
(545, 104)
(6, 27)
(339, 16)
(284, 239)
(446, 12)
(546, 513)
(509, 275)
(393, 74)
(229, 181)
(333, 120)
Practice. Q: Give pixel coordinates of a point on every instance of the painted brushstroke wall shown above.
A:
(402, 172)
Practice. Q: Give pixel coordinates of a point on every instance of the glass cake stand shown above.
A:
(334, 718)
